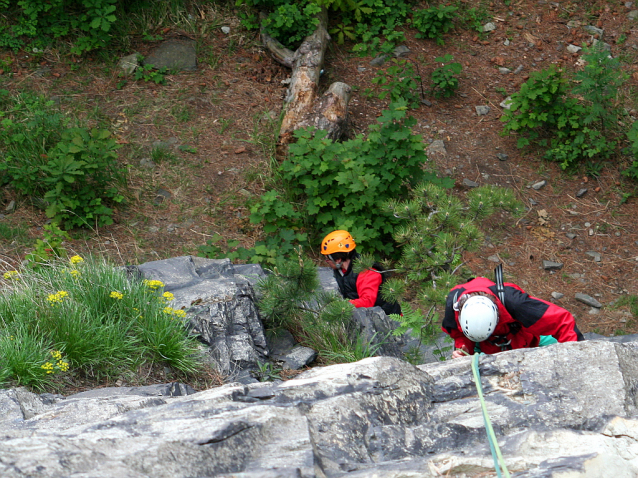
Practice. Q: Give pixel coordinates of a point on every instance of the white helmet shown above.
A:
(478, 318)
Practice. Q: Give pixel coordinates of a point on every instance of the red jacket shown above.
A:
(523, 318)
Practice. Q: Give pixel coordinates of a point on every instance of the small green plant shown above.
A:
(444, 80)
(267, 372)
(224, 124)
(48, 248)
(434, 21)
(148, 72)
(398, 81)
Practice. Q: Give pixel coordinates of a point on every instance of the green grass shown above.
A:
(9, 233)
(89, 318)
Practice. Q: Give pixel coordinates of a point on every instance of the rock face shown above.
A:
(558, 411)
(220, 301)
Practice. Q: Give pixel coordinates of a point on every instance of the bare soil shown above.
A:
(220, 121)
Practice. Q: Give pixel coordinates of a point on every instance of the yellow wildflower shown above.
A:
(62, 365)
(76, 260)
(56, 354)
(48, 367)
(57, 297)
(74, 272)
(117, 295)
(167, 296)
(11, 275)
(180, 313)
(153, 284)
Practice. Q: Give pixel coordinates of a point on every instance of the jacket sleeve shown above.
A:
(368, 283)
(540, 317)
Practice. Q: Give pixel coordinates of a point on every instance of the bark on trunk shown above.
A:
(302, 107)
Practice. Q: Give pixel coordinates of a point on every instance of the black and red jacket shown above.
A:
(363, 289)
(522, 320)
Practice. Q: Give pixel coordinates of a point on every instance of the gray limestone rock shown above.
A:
(129, 63)
(379, 417)
(482, 110)
(436, 147)
(594, 255)
(587, 300)
(552, 266)
(375, 328)
(174, 55)
(539, 185)
(469, 183)
(299, 357)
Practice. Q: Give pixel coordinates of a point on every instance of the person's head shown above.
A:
(478, 316)
(338, 248)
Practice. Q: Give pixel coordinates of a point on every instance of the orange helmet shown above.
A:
(337, 241)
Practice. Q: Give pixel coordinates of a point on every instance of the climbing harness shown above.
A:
(499, 462)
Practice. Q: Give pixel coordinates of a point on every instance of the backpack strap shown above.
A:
(500, 289)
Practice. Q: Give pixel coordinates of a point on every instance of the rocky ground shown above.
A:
(198, 148)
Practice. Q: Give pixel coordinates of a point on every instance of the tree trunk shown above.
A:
(301, 105)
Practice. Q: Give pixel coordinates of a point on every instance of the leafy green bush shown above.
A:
(342, 185)
(398, 81)
(288, 22)
(73, 170)
(37, 22)
(434, 21)
(576, 120)
(87, 319)
(444, 80)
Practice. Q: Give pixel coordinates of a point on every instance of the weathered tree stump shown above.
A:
(302, 105)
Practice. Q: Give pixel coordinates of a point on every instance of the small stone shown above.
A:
(633, 14)
(573, 24)
(226, 30)
(504, 71)
(502, 156)
(532, 202)
(593, 30)
(426, 102)
(482, 110)
(594, 255)
(129, 63)
(489, 27)
(539, 185)
(518, 69)
(581, 192)
(361, 69)
(437, 147)
(552, 266)
(153, 229)
(573, 48)
(494, 258)
(506, 103)
(469, 183)
(506, 42)
(594, 311)
(380, 60)
(557, 295)
(401, 51)
(11, 207)
(588, 300)
(571, 235)
(147, 163)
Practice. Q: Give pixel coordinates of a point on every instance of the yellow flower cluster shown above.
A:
(116, 295)
(58, 364)
(57, 297)
(166, 297)
(153, 284)
(11, 275)
(175, 312)
(76, 260)
(74, 272)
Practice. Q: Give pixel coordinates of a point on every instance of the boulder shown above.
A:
(380, 417)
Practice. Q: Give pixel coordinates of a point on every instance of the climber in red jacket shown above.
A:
(362, 289)
(481, 316)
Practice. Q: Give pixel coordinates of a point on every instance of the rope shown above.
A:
(491, 437)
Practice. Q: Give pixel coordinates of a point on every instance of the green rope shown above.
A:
(491, 437)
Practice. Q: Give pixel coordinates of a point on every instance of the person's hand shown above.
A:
(462, 352)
